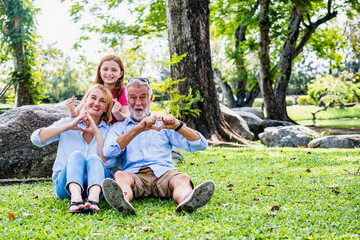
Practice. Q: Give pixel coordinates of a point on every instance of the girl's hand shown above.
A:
(69, 103)
(116, 107)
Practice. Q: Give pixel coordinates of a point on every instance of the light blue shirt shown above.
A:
(70, 141)
(149, 148)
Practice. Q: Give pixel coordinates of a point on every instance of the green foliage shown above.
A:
(316, 199)
(181, 106)
(305, 100)
(18, 39)
(178, 105)
(331, 90)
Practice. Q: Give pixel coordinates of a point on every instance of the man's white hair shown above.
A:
(138, 82)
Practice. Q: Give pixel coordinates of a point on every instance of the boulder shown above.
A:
(236, 123)
(336, 141)
(288, 136)
(18, 156)
(257, 111)
(254, 123)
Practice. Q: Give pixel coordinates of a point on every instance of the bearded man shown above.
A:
(144, 142)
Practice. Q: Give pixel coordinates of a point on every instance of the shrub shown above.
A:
(305, 100)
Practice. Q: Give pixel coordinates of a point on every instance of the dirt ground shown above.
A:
(337, 131)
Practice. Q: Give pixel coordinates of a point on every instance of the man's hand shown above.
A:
(148, 123)
(169, 122)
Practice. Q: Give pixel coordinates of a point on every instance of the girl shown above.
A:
(110, 73)
(80, 165)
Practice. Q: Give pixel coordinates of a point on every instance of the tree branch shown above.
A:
(312, 27)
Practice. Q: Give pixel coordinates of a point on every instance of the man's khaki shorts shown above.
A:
(148, 185)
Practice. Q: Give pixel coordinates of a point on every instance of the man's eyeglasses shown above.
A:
(145, 80)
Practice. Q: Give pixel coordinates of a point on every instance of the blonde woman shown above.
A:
(80, 165)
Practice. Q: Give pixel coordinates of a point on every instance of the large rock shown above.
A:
(18, 156)
(237, 123)
(254, 123)
(257, 111)
(336, 141)
(288, 136)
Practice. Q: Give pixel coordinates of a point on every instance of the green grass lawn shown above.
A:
(304, 112)
(316, 198)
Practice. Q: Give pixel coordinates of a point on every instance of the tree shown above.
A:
(18, 39)
(188, 32)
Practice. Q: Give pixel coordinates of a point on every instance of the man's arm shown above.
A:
(146, 124)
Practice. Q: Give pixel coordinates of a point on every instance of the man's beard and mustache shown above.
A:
(138, 116)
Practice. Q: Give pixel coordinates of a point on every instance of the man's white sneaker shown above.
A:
(114, 196)
(198, 197)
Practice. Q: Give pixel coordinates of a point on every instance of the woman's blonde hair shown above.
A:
(119, 85)
(106, 116)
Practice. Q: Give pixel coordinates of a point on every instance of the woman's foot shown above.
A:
(76, 207)
(91, 206)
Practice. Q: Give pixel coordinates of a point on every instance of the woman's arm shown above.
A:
(46, 134)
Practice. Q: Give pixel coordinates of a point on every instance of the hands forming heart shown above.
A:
(87, 119)
(169, 122)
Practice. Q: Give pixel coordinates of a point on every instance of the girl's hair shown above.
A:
(119, 85)
(106, 116)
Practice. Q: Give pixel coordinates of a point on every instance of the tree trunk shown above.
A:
(226, 89)
(290, 51)
(285, 66)
(265, 74)
(188, 32)
(21, 76)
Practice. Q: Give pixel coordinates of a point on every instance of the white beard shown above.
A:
(138, 116)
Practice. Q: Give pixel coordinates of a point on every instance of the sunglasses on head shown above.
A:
(145, 80)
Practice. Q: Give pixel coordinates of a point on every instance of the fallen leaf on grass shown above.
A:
(42, 211)
(223, 176)
(99, 234)
(308, 170)
(272, 213)
(256, 199)
(230, 185)
(301, 146)
(255, 188)
(150, 213)
(230, 189)
(224, 204)
(270, 185)
(144, 229)
(275, 208)
(205, 163)
(27, 215)
(11, 216)
(36, 197)
(308, 152)
(335, 191)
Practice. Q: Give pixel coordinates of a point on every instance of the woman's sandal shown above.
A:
(76, 204)
(89, 209)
